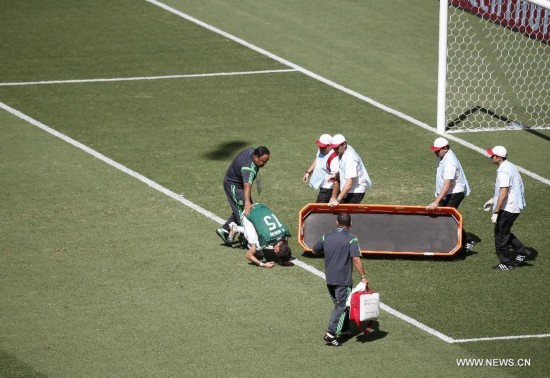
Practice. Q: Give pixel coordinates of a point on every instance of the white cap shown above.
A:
(497, 151)
(324, 140)
(337, 140)
(439, 143)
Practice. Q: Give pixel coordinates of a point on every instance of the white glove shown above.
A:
(494, 218)
(488, 205)
(361, 286)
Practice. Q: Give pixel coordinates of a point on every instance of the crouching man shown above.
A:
(262, 230)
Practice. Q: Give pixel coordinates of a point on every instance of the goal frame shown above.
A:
(441, 125)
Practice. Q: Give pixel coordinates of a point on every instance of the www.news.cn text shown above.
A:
(493, 362)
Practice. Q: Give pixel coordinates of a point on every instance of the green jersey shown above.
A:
(269, 228)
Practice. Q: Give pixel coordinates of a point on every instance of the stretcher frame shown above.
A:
(450, 216)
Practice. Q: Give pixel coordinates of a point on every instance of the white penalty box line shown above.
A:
(141, 78)
(180, 198)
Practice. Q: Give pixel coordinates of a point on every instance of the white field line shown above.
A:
(112, 163)
(106, 80)
(385, 307)
(501, 338)
(335, 85)
(219, 220)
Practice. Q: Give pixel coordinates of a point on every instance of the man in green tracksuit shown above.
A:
(237, 184)
(342, 253)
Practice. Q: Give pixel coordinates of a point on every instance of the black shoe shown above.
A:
(503, 267)
(331, 340)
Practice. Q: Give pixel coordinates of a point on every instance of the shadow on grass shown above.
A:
(264, 255)
(374, 334)
(311, 255)
(12, 367)
(225, 150)
(457, 257)
(538, 134)
(461, 255)
(532, 254)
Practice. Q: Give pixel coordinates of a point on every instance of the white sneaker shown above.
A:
(222, 233)
(233, 232)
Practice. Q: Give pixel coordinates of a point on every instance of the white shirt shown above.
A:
(352, 167)
(449, 168)
(320, 176)
(509, 177)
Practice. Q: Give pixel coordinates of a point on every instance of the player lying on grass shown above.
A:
(262, 230)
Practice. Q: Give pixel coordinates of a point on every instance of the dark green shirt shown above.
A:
(339, 246)
(269, 228)
(242, 169)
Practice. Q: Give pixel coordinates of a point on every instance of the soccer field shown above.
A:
(117, 123)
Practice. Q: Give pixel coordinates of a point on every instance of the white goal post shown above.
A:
(494, 65)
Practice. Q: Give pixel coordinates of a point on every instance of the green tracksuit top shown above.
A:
(269, 228)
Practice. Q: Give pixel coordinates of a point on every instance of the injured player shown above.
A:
(262, 230)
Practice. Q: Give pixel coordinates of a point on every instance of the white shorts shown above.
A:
(249, 232)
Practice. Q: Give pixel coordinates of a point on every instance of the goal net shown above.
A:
(494, 65)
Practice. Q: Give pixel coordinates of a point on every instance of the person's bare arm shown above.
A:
(444, 190)
(251, 256)
(359, 266)
(309, 170)
(247, 194)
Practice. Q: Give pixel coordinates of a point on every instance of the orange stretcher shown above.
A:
(387, 229)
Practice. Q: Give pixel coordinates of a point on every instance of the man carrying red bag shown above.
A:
(341, 252)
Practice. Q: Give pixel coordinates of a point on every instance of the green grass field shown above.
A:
(103, 275)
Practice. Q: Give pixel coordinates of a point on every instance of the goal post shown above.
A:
(494, 65)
